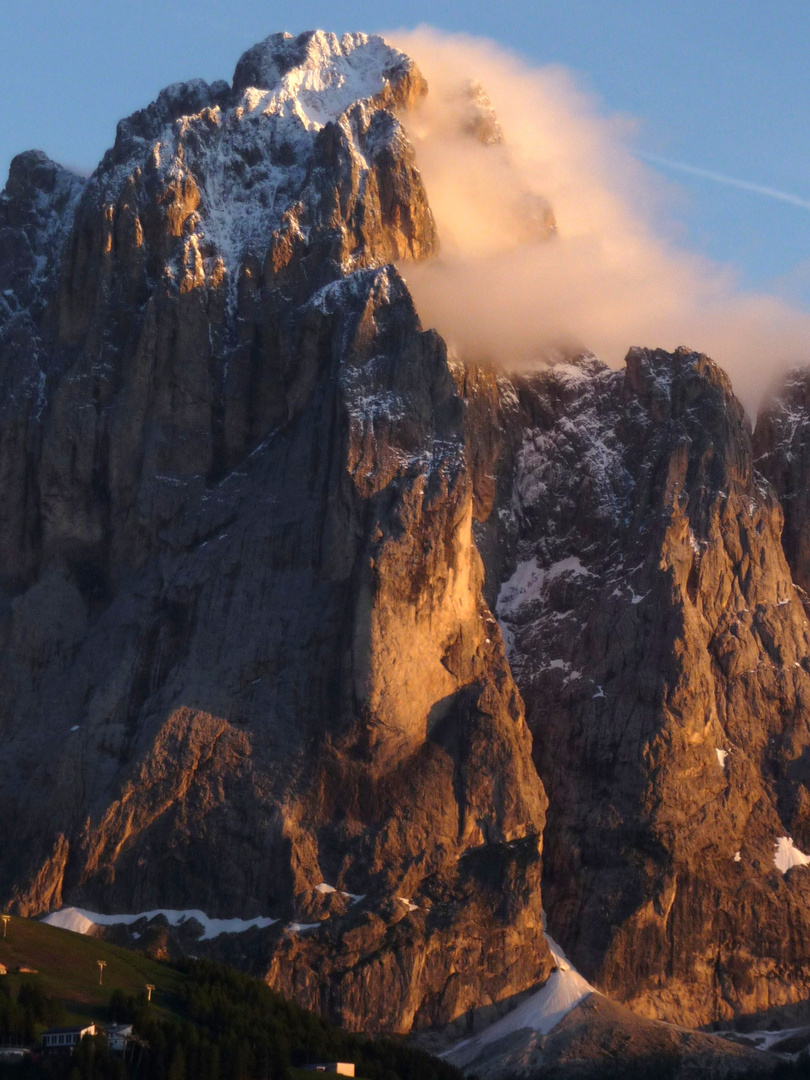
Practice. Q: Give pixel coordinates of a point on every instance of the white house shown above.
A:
(65, 1038)
(118, 1035)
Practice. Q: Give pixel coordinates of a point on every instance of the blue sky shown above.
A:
(720, 85)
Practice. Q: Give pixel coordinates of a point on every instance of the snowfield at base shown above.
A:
(83, 922)
(787, 855)
(563, 990)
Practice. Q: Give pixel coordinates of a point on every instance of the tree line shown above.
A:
(227, 1026)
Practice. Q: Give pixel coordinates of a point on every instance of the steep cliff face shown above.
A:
(662, 651)
(246, 650)
(782, 451)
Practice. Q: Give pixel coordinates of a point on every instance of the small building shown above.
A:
(340, 1068)
(3, 969)
(65, 1038)
(118, 1035)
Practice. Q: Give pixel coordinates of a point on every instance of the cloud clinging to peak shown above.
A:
(611, 276)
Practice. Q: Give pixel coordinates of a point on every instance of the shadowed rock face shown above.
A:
(782, 451)
(245, 645)
(662, 651)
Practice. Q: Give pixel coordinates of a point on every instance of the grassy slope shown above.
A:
(67, 968)
(215, 1006)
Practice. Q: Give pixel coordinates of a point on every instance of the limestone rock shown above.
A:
(245, 646)
(661, 648)
(782, 450)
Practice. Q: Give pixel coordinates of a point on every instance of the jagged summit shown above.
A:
(35, 212)
(313, 77)
(322, 75)
(234, 165)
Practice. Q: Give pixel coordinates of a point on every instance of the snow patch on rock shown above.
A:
(787, 855)
(81, 921)
(529, 582)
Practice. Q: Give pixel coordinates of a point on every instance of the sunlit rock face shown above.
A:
(661, 648)
(245, 647)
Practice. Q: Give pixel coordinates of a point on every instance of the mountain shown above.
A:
(245, 646)
(305, 620)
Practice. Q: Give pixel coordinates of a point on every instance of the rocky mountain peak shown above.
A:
(36, 209)
(642, 591)
(674, 385)
(301, 167)
(327, 74)
(482, 120)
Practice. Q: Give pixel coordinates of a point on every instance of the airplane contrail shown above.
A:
(721, 178)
